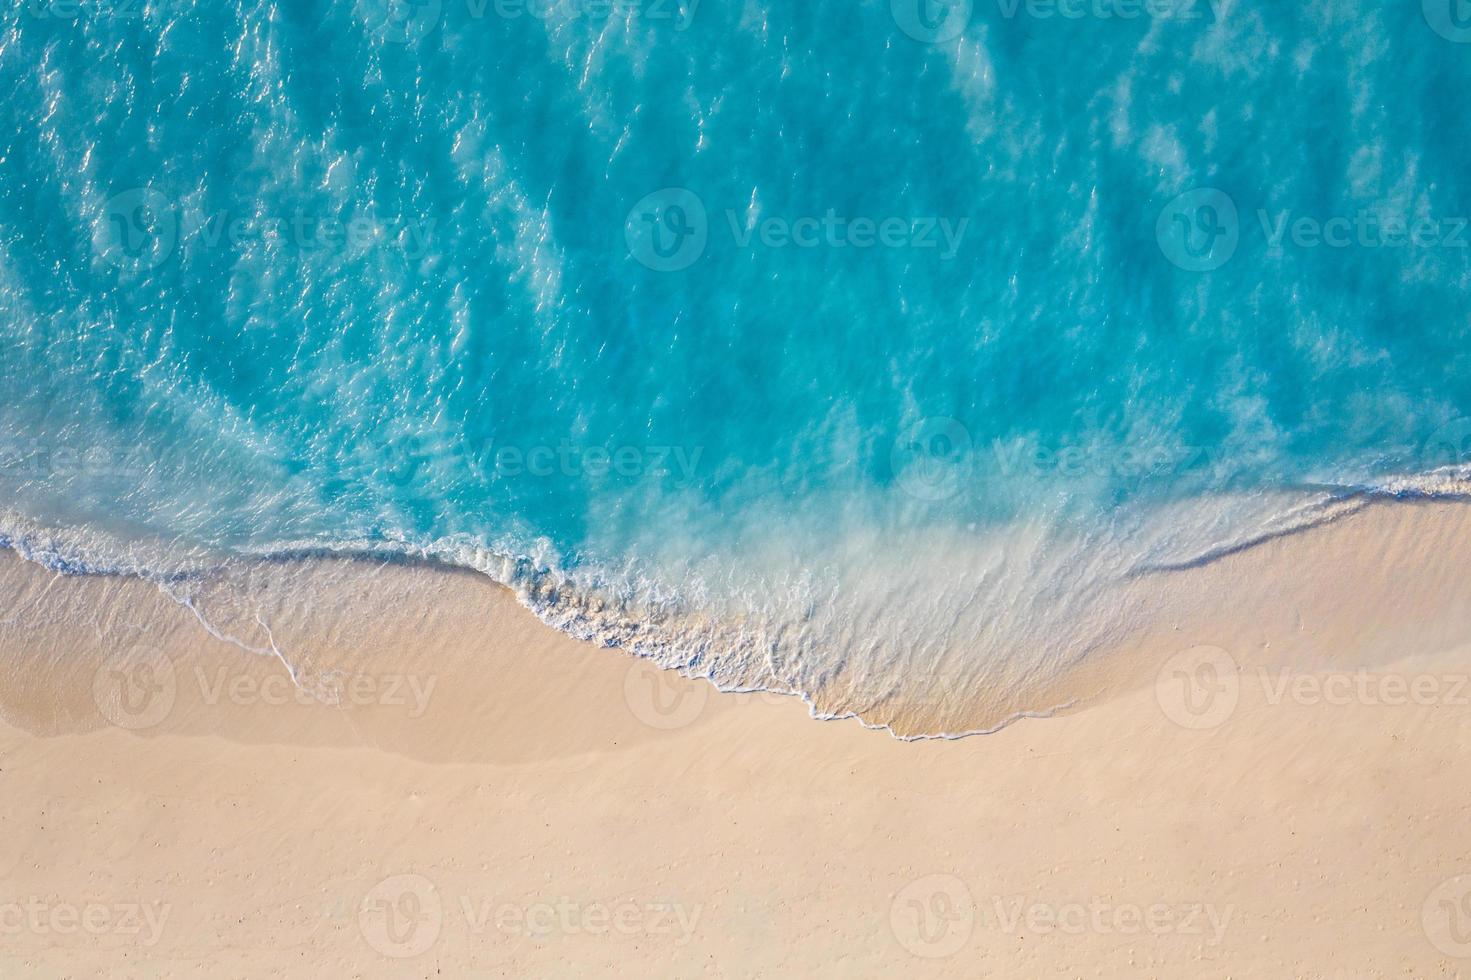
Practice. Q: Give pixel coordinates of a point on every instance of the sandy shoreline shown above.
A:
(1270, 784)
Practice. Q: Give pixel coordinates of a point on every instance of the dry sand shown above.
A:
(449, 788)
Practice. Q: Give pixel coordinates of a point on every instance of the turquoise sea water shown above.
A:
(828, 347)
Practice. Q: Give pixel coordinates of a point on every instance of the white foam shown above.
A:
(927, 624)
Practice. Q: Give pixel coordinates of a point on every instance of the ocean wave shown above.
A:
(929, 634)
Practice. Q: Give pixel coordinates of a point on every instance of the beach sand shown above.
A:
(1270, 781)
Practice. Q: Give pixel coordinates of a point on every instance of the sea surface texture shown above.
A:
(848, 349)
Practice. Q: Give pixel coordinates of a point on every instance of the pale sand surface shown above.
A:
(560, 811)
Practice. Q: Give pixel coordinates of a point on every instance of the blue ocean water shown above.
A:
(832, 348)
